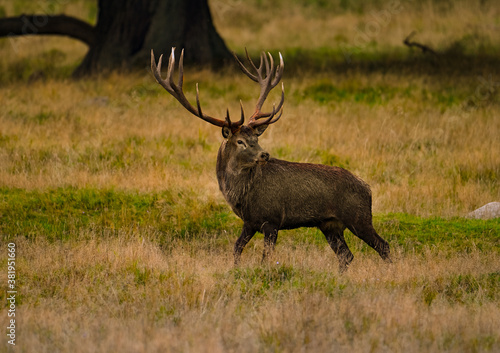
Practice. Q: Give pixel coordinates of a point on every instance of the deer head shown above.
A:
(239, 137)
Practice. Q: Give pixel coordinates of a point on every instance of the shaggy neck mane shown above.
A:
(234, 185)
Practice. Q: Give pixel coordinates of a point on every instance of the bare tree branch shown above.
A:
(45, 24)
(424, 48)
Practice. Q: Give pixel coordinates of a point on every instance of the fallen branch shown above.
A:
(48, 24)
(423, 47)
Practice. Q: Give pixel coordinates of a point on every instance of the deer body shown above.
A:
(292, 195)
(270, 194)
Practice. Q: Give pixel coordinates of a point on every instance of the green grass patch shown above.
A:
(66, 213)
(326, 91)
(414, 233)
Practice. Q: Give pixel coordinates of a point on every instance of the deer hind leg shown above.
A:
(246, 234)
(270, 237)
(365, 231)
(334, 233)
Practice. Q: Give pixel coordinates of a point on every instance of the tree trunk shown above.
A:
(127, 30)
(186, 24)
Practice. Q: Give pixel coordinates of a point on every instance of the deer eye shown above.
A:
(240, 142)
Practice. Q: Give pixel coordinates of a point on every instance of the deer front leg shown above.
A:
(246, 234)
(337, 243)
(334, 234)
(270, 237)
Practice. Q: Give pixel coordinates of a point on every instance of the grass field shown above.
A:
(124, 242)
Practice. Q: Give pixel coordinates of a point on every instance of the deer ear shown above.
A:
(259, 130)
(226, 132)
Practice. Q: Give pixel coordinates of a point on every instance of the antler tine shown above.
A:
(280, 104)
(270, 120)
(181, 71)
(272, 79)
(156, 71)
(269, 66)
(177, 92)
(198, 105)
(264, 82)
(258, 121)
(244, 69)
(228, 119)
(242, 119)
(170, 69)
(279, 72)
(259, 69)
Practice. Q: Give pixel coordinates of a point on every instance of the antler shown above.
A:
(177, 92)
(267, 82)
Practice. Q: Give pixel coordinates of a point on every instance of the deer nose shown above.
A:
(264, 156)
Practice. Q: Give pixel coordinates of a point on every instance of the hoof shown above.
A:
(343, 268)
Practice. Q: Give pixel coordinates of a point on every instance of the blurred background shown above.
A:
(313, 35)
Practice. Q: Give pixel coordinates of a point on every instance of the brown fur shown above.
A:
(270, 194)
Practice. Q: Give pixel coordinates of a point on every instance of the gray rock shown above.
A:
(489, 211)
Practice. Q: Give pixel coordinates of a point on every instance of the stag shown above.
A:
(270, 194)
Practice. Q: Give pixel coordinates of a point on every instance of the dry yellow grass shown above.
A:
(418, 160)
(417, 143)
(126, 295)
